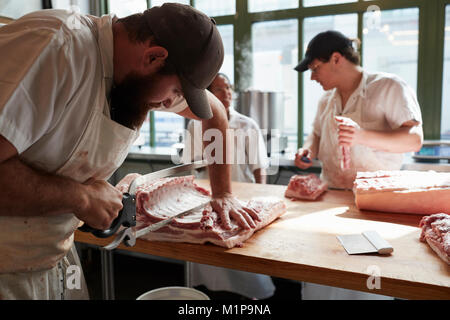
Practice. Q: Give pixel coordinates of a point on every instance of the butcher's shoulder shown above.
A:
(377, 82)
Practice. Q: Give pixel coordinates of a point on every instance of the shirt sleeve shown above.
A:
(401, 104)
(29, 84)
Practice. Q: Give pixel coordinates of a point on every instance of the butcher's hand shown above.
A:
(303, 158)
(229, 207)
(101, 204)
(350, 133)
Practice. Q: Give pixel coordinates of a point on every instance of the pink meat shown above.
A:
(436, 232)
(418, 192)
(345, 157)
(345, 151)
(307, 187)
(167, 197)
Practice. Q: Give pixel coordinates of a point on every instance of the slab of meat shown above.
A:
(436, 232)
(418, 192)
(307, 187)
(345, 157)
(168, 196)
(345, 151)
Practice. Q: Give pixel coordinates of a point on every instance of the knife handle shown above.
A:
(126, 218)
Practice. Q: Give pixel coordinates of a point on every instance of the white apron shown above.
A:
(362, 158)
(34, 250)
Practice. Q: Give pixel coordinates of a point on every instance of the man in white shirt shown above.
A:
(250, 154)
(374, 116)
(74, 91)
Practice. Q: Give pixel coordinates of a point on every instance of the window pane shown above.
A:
(266, 5)
(390, 43)
(169, 128)
(275, 48)
(161, 2)
(216, 7)
(313, 3)
(123, 8)
(445, 117)
(80, 6)
(312, 91)
(15, 9)
(226, 31)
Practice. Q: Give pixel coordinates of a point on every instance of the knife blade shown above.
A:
(164, 173)
(159, 225)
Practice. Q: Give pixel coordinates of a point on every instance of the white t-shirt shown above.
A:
(250, 153)
(382, 102)
(49, 79)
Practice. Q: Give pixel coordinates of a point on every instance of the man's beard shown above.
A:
(128, 103)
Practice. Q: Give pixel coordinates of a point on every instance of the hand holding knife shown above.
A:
(127, 216)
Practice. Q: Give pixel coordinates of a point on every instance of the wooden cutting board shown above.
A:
(302, 245)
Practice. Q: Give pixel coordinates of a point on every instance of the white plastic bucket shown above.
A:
(174, 293)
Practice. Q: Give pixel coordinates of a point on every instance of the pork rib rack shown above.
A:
(168, 196)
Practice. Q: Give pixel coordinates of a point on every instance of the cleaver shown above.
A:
(366, 242)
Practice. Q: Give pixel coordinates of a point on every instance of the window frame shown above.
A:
(430, 49)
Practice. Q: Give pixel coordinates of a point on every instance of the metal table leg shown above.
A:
(187, 274)
(107, 274)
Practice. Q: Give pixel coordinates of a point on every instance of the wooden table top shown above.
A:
(302, 245)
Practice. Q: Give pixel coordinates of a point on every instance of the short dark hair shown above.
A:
(137, 28)
(348, 53)
(138, 31)
(223, 75)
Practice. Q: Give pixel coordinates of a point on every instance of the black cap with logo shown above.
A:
(195, 49)
(322, 46)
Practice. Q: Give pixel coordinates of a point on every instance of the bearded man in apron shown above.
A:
(375, 116)
(74, 91)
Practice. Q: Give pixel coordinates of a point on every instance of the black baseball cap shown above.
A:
(195, 49)
(322, 47)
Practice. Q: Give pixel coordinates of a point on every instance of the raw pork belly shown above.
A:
(168, 196)
(308, 187)
(418, 192)
(436, 232)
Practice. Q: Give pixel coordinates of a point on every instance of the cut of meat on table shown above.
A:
(436, 232)
(167, 197)
(305, 187)
(417, 192)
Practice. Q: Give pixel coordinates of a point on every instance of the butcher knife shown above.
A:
(127, 216)
(367, 242)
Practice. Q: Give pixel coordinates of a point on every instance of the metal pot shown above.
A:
(266, 108)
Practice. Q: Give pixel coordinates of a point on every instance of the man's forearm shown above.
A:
(25, 191)
(404, 139)
(312, 143)
(220, 171)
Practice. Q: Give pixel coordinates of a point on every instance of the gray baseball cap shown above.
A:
(195, 49)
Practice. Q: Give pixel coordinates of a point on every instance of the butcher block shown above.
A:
(302, 245)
